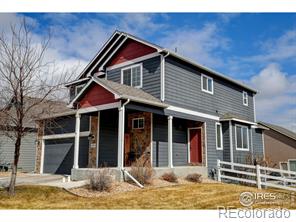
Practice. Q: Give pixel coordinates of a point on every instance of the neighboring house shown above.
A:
(138, 100)
(28, 144)
(280, 146)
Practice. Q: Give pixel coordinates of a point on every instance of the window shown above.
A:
(132, 76)
(207, 84)
(138, 123)
(242, 137)
(78, 89)
(219, 137)
(245, 98)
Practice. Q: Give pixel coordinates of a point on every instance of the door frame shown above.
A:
(188, 141)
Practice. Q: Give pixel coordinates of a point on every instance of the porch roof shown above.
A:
(235, 117)
(121, 91)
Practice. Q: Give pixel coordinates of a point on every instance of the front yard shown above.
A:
(187, 196)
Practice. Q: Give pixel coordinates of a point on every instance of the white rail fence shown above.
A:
(257, 175)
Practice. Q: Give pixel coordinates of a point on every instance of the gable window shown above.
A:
(207, 84)
(78, 89)
(242, 137)
(138, 123)
(132, 76)
(219, 137)
(245, 98)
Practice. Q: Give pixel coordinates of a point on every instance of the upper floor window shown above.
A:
(219, 137)
(132, 76)
(242, 137)
(245, 98)
(138, 123)
(207, 84)
(78, 89)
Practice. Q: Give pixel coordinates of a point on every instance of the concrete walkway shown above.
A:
(45, 180)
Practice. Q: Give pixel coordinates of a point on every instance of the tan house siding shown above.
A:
(278, 148)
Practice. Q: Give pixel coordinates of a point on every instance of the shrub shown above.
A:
(194, 177)
(101, 180)
(142, 171)
(170, 177)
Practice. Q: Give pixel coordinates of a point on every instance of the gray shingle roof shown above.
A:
(280, 130)
(128, 92)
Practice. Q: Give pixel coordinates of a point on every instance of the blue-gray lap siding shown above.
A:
(258, 148)
(108, 138)
(151, 75)
(183, 88)
(226, 141)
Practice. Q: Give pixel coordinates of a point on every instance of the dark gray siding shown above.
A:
(27, 151)
(183, 88)
(257, 143)
(180, 143)
(66, 124)
(108, 141)
(226, 141)
(151, 76)
(160, 141)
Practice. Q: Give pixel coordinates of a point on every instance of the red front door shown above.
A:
(195, 145)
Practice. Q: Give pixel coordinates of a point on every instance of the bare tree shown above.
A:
(25, 73)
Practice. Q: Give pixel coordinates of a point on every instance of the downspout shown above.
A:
(162, 79)
(125, 172)
(231, 143)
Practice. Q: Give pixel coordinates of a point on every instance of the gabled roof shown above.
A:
(280, 130)
(121, 91)
(119, 38)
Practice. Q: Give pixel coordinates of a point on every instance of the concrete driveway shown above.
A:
(43, 179)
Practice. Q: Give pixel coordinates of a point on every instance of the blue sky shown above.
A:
(258, 49)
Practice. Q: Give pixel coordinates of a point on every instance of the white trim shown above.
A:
(76, 81)
(206, 144)
(231, 141)
(76, 143)
(239, 120)
(65, 135)
(131, 68)
(207, 90)
(151, 142)
(42, 156)
(98, 139)
(170, 142)
(133, 127)
(162, 70)
(107, 60)
(120, 151)
(132, 61)
(221, 136)
(193, 113)
(188, 141)
(247, 97)
(99, 107)
(78, 86)
(248, 138)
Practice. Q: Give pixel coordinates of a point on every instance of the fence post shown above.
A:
(218, 171)
(258, 176)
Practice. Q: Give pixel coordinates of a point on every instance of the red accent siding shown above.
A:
(96, 95)
(130, 50)
(195, 146)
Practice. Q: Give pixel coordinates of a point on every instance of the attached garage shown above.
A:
(59, 155)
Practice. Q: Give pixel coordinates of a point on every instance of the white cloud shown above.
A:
(201, 45)
(276, 101)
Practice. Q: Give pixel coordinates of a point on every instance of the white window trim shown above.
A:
(78, 86)
(202, 89)
(289, 161)
(141, 74)
(138, 120)
(248, 139)
(245, 93)
(221, 136)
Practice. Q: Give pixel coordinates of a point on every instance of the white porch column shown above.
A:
(120, 157)
(170, 142)
(77, 137)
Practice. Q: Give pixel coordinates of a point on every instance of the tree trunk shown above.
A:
(14, 166)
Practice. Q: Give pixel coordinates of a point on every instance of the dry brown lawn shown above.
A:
(188, 196)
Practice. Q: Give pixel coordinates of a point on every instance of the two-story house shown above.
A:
(138, 100)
